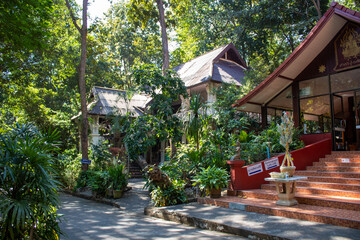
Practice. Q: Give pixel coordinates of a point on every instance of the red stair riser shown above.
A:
(329, 203)
(334, 169)
(250, 194)
(340, 160)
(352, 181)
(328, 174)
(336, 164)
(334, 186)
(328, 192)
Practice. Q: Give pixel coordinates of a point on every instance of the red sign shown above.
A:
(347, 48)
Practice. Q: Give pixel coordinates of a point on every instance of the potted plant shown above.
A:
(213, 179)
(286, 131)
(118, 179)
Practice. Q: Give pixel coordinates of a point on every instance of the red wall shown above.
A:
(313, 138)
(302, 158)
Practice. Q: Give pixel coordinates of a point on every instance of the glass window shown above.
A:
(314, 87)
(343, 81)
(315, 114)
(283, 101)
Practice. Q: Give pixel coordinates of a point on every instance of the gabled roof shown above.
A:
(108, 101)
(320, 36)
(223, 64)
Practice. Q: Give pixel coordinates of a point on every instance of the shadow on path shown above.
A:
(85, 219)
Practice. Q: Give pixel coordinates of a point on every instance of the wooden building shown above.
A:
(319, 82)
(205, 72)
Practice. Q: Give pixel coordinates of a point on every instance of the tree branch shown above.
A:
(317, 7)
(73, 17)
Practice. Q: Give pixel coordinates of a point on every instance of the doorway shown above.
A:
(346, 125)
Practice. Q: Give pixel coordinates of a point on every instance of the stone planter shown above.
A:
(215, 193)
(235, 173)
(117, 193)
(289, 170)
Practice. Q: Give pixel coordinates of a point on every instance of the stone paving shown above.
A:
(86, 219)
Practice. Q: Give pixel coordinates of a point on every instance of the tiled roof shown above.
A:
(109, 101)
(213, 66)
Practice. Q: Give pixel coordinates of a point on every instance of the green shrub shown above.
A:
(100, 156)
(170, 195)
(28, 189)
(255, 149)
(99, 182)
(212, 178)
(69, 168)
(118, 177)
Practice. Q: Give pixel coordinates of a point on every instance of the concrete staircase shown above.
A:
(135, 171)
(330, 195)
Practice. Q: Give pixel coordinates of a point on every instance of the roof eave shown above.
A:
(322, 22)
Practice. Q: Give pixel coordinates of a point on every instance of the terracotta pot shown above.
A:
(117, 193)
(215, 193)
(289, 170)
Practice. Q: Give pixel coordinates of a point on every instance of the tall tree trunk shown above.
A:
(165, 45)
(82, 83)
(82, 88)
(165, 50)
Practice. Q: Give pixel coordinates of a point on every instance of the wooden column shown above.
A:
(264, 117)
(296, 103)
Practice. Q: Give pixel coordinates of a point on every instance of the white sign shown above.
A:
(345, 160)
(254, 169)
(272, 163)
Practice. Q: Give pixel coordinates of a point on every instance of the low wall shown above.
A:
(313, 138)
(252, 176)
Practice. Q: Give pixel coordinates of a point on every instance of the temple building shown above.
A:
(319, 82)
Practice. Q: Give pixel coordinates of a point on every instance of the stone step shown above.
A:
(352, 181)
(336, 164)
(135, 169)
(345, 152)
(334, 169)
(340, 160)
(334, 216)
(323, 185)
(304, 198)
(328, 174)
(320, 191)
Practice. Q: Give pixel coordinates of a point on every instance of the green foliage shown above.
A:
(28, 184)
(185, 164)
(145, 130)
(171, 195)
(164, 190)
(196, 119)
(264, 32)
(69, 167)
(101, 156)
(212, 178)
(118, 177)
(227, 117)
(99, 181)
(29, 29)
(255, 149)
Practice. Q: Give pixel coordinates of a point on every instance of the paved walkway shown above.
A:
(250, 224)
(85, 219)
